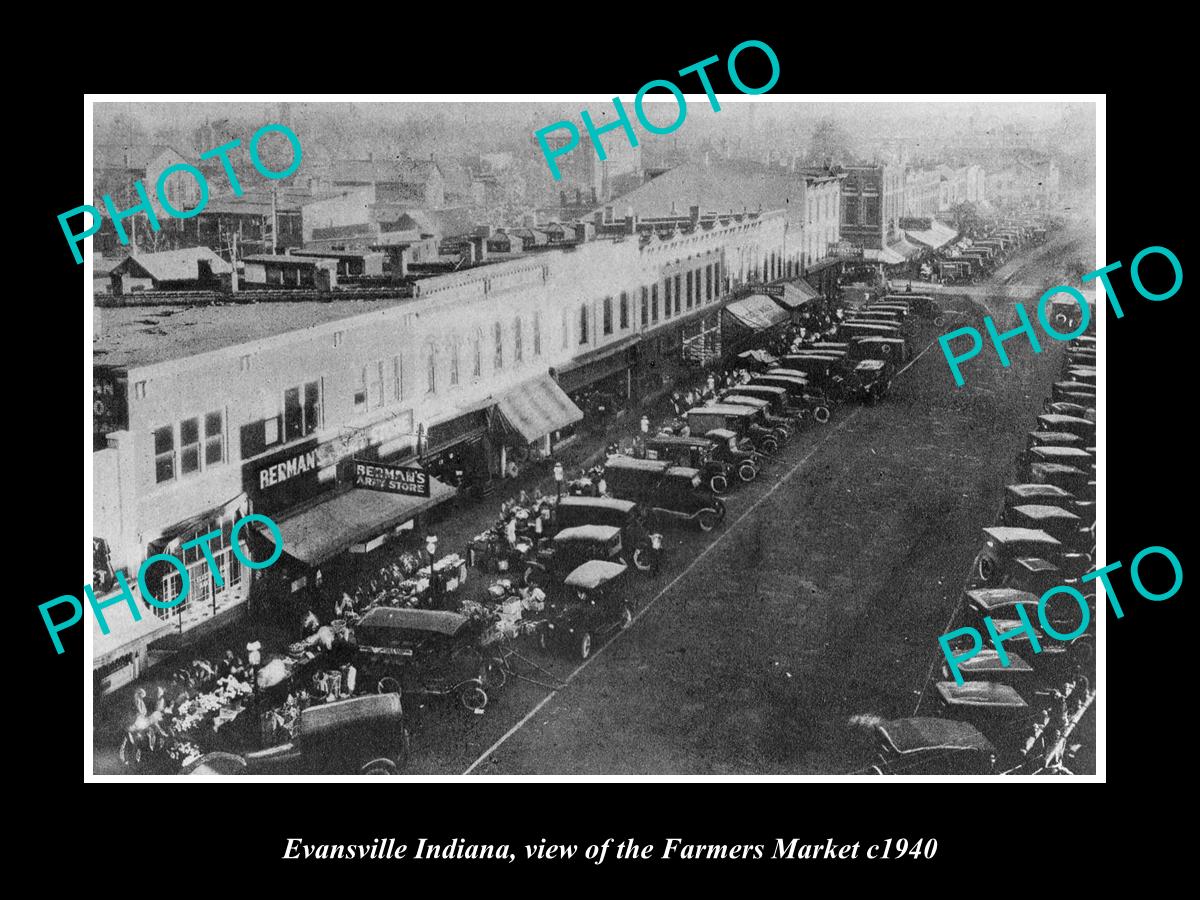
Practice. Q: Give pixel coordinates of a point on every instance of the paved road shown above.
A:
(820, 599)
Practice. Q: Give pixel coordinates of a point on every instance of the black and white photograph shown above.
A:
(471, 438)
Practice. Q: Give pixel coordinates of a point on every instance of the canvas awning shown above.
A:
(796, 294)
(887, 256)
(936, 236)
(536, 408)
(124, 634)
(348, 518)
(758, 311)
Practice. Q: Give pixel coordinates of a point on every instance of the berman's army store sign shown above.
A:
(409, 480)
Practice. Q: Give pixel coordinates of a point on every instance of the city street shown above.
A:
(819, 599)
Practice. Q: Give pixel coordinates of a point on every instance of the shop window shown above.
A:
(518, 350)
(608, 318)
(139, 389)
(583, 323)
(537, 334)
(164, 454)
(498, 334)
(214, 438)
(645, 306)
(654, 303)
(169, 589)
(189, 446)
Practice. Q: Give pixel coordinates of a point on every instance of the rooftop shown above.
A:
(143, 336)
(722, 186)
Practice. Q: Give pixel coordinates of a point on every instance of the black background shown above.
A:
(995, 833)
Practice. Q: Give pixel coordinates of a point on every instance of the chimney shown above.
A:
(400, 263)
(598, 217)
(694, 213)
(468, 253)
(484, 231)
(608, 214)
(479, 243)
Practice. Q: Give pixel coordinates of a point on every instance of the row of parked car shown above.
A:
(1017, 717)
(977, 257)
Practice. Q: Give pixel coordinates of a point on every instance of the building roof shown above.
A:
(723, 186)
(174, 265)
(143, 336)
(128, 156)
(400, 170)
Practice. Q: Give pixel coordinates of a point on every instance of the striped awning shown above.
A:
(536, 408)
(758, 311)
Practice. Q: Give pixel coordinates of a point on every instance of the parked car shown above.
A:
(696, 453)
(1065, 525)
(569, 549)
(780, 400)
(931, 746)
(739, 454)
(592, 604)
(997, 710)
(636, 538)
(363, 735)
(782, 426)
(1067, 456)
(1084, 428)
(667, 492)
(1081, 373)
(985, 666)
(1075, 410)
(873, 347)
(1000, 604)
(922, 304)
(870, 381)
(1070, 478)
(745, 421)
(1073, 392)
(423, 651)
(1026, 557)
(799, 392)
(1052, 439)
(1044, 495)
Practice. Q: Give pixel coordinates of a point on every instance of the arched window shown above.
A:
(477, 353)
(498, 333)
(454, 346)
(583, 323)
(537, 334)
(518, 340)
(608, 325)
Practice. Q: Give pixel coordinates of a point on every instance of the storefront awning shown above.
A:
(124, 634)
(937, 235)
(758, 311)
(351, 517)
(536, 408)
(796, 293)
(887, 256)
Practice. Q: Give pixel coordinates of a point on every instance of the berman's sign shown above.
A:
(411, 479)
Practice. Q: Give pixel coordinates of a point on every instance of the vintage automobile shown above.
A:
(696, 453)
(1073, 392)
(363, 735)
(875, 314)
(1043, 495)
(591, 605)
(745, 421)
(1000, 604)
(861, 329)
(1054, 658)
(900, 311)
(1067, 526)
(1084, 428)
(824, 372)
(742, 456)
(930, 746)
(872, 347)
(1080, 373)
(922, 304)
(1052, 439)
(799, 392)
(570, 512)
(985, 666)
(756, 360)
(782, 426)
(668, 492)
(870, 381)
(1070, 478)
(1064, 314)
(995, 709)
(1066, 456)
(1026, 557)
(569, 549)
(1075, 410)
(425, 652)
(780, 400)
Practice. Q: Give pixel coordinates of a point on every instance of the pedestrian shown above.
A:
(139, 702)
(311, 623)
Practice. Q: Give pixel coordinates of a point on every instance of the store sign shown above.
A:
(108, 401)
(283, 479)
(410, 480)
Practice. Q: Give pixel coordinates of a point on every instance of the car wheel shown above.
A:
(585, 645)
(939, 321)
(388, 685)
(822, 414)
(719, 484)
(495, 674)
(747, 472)
(473, 697)
(643, 559)
(770, 445)
(887, 349)
(707, 519)
(626, 617)
(379, 766)
(985, 567)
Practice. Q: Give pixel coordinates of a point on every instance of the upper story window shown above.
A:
(608, 317)
(431, 369)
(645, 306)
(518, 339)
(498, 335)
(583, 323)
(195, 445)
(537, 334)
(477, 354)
(301, 410)
(624, 310)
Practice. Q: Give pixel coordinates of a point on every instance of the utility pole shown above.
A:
(274, 219)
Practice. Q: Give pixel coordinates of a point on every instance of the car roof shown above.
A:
(996, 598)
(1065, 436)
(722, 434)
(1060, 419)
(878, 337)
(1053, 468)
(980, 693)
(915, 734)
(1005, 534)
(770, 388)
(738, 399)
(593, 573)
(682, 472)
(1040, 511)
(588, 533)
(722, 409)
(434, 620)
(678, 440)
(784, 372)
(988, 660)
(1051, 451)
(325, 717)
(599, 503)
(1037, 489)
(870, 364)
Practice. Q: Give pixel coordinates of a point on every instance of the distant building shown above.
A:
(406, 182)
(1028, 181)
(116, 167)
(582, 169)
(872, 204)
(196, 268)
